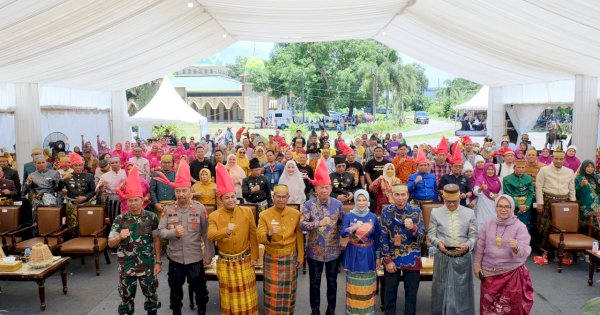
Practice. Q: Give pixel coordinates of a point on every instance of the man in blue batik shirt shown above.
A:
(402, 234)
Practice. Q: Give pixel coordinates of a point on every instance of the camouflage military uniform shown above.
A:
(136, 259)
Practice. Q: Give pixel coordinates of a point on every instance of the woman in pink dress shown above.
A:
(502, 249)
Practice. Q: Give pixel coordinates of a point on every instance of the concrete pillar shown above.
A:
(496, 114)
(119, 126)
(28, 122)
(585, 117)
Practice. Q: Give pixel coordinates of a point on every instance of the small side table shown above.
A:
(594, 259)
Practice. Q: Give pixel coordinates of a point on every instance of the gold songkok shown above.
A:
(451, 192)
(280, 188)
(532, 151)
(400, 188)
(521, 163)
(558, 153)
(166, 158)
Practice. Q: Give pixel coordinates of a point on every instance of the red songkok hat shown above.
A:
(321, 174)
(345, 148)
(503, 151)
(456, 154)
(466, 139)
(442, 147)
(224, 181)
(76, 159)
(133, 188)
(182, 179)
(421, 159)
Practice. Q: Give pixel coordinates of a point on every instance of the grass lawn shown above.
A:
(432, 138)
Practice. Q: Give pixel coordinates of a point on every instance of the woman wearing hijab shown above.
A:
(292, 178)
(179, 152)
(128, 148)
(487, 188)
(102, 147)
(500, 255)
(545, 157)
(118, 151)
(204, 190)
(571, 161)
(382, 186)
(360, 258)
(242, 160)
(259, 153)
(478, 168)
(236, 172)
(587, 190)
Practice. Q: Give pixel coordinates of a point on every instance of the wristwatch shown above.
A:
(158, 262)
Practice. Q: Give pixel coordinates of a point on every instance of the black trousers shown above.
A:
(411, 287)
(178, 273)
(315, 270)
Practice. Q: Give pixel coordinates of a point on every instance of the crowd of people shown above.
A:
(494, 211)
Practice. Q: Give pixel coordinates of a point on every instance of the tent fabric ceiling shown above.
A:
(114, 44)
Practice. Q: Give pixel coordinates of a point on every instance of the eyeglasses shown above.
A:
(242, 152)
(508, 207)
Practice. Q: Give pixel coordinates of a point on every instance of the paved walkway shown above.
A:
(556, 293)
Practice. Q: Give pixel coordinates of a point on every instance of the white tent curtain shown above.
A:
(524, 116)
(75, 123)
(7, 131)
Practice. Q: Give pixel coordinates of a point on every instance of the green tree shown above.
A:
(143, 94)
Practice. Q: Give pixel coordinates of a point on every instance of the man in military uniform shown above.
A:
(135, 235)
(78, 187)
(161, 193)
(520, 186)
(185, 226)
(10, 173)
(255, 188)
(342, 182)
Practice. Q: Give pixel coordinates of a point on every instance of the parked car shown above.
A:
(421, 118)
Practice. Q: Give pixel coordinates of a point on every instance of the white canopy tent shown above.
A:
(113, 45)
(479, 101)
(167, 107)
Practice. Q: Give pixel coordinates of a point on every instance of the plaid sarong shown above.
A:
(237, 287)
(360, 292)
(279, 284)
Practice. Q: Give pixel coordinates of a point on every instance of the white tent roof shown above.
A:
(167, 107)
(479, 101)
(115, 44)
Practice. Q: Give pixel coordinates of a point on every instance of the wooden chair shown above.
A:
(564, 230)
(49, 230)
(90, 238)
(9, 227)
(254, 208)
(593, 225)
(426, 210)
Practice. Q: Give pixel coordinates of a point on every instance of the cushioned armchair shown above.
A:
(49, 230)
(564, 231)
(10, 230)
(91, 238)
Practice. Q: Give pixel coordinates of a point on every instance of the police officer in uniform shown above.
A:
(136, 236)
(185, 226)
(78, 186)
(161, 193)
(342, 182)
(255, 188)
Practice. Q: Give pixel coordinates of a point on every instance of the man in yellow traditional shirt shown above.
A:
(234, 227)
(279, 230)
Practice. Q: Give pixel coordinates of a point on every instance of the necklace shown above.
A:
(499, 238)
